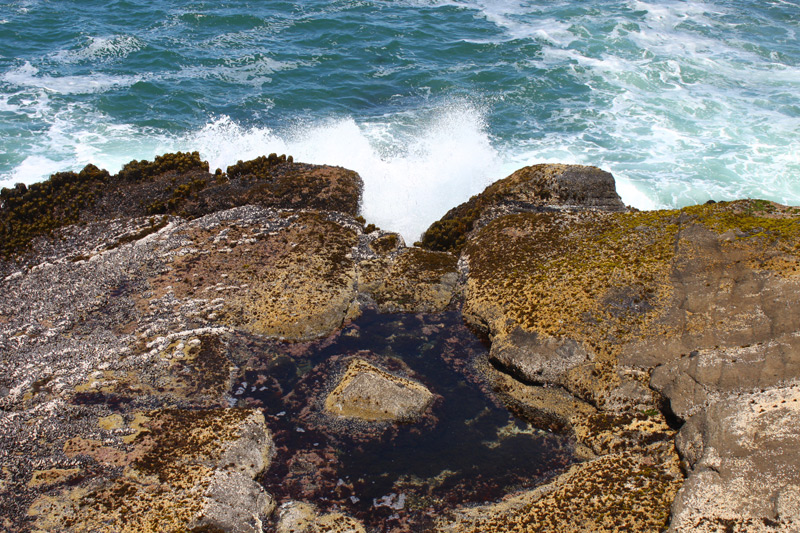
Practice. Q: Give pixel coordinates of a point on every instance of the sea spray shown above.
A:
(414, 168)
(429, 100)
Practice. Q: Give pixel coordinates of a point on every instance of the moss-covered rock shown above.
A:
(174, 184)
(279, 182)
(589, 303)
(579, 292)
(617, 492)
(30, 212)
(174, 163)
(290, 275)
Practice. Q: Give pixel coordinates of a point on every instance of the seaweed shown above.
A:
(38, 210)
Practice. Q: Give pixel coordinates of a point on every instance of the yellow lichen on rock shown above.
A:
(301, 517)
(294, 282)
(53, 476)
(615, 493)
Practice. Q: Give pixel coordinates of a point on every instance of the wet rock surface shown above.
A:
(187, 351)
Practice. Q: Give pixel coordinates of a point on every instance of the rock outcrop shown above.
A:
(744, 464)
(176, 471)
(299, 517)
(534, 188)
(367, 393)
(590, 302)
(130, 303)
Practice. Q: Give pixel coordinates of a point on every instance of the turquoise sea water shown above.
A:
(429, 100)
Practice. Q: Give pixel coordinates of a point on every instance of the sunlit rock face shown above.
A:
(175, 341)
(369, 393)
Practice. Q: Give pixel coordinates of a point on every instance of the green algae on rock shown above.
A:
(174, 184)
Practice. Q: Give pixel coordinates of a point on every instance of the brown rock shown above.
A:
(184, 469)
(530, 189)
(616, 492)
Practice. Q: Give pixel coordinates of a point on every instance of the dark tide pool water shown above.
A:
(468, 449)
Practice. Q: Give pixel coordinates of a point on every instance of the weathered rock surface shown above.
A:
(590, 302)
(396, 278)
(586, 300)
(176, 471)
(533, 188)
(616, 492)
(115, 328)
(126, 300)
(299, 517)
(743, 460)
(174, 184)
(368, 393)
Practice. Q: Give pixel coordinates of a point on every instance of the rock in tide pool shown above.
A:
(368, 393)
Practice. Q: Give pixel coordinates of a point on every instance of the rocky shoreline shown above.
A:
(143, 313)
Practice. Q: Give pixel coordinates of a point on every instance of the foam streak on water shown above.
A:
(429, 100)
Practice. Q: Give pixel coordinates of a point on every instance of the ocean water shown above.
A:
(429, 100)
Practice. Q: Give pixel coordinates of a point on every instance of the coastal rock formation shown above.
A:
(132, 305)
(299, 517)
(615, 492)
(591, 302)
(175, 471)
(533, 188)
(743, 457)
(368, 393)
(396, 278)
(174, 184)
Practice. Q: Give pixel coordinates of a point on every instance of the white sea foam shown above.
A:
(28, 76)
(254, 70)
(415, 166)
(681, 107)
(36, 166)
(516, 18)
(100, 49)
(413, 172)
